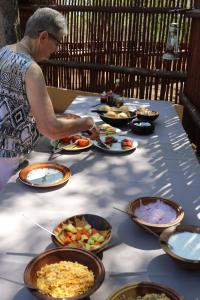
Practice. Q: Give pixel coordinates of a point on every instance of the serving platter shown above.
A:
(44, 175)
(116, 147)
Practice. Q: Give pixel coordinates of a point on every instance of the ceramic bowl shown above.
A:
(63, 254)
(118, 122)
(146, 117)
(173, 245)
(97, 222)
(136, 289)
(157, 228)
(142, 127)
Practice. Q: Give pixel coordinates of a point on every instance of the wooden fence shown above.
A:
(110, 39)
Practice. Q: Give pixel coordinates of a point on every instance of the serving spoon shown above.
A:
(37, 224)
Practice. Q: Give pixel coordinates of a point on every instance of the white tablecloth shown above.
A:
(163, 164)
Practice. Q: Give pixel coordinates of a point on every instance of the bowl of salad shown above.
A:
(88, 232)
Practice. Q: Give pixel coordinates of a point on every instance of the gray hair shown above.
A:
(46, 19)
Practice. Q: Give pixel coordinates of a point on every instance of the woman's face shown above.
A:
(46, 45)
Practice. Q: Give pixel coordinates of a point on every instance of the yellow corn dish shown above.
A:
(64, 279)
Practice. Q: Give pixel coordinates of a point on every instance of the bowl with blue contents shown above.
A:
(182, 244)
(142, 127)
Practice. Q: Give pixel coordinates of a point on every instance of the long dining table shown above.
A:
(164, 165)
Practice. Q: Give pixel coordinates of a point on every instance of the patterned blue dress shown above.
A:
(18, 132)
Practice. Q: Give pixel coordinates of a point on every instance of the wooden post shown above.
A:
(192, 86)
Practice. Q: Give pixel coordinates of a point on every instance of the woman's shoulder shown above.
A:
(11, 52)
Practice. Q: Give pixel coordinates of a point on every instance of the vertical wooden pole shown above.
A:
(192, 86)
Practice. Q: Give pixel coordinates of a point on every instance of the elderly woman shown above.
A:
(25, 107)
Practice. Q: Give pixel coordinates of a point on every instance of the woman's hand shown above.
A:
(94, 130)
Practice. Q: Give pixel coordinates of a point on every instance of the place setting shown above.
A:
(44, 175)
(72, 143)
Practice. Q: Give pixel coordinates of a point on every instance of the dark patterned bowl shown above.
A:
(118, 122)
(146, 116)
(142, 127)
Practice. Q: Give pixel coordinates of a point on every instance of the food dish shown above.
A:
(116, 146)
(142, 127)
(44, 175)
(144, 113)
(107, 129)
(169, 212)
(181, 243)
(132, 290)
(81, 235)
(72, 143)
(114, 121)
(64, 279)
(86, 258)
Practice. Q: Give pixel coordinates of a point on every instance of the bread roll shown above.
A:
(122, 115)
(111, 114)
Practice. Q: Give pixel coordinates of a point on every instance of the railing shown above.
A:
(124, 39)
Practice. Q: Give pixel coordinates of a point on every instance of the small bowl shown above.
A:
(136, 289)
(97, 222)
(157, 228)
(64, 254)
(142, 127)
(144, 116)
(168, 247)
(118, 121)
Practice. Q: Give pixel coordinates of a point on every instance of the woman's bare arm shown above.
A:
(42, 109)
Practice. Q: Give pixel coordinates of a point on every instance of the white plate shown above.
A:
(117, 130)
(116, 147)
(69, 147)
(44, 175)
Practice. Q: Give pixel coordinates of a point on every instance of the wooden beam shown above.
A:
(118, 69)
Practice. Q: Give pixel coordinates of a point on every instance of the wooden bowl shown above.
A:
(157, 228)
(97, 222)
(63, 254)
(117, 121)
(186, 263)
(136, 289)
(144, 116)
